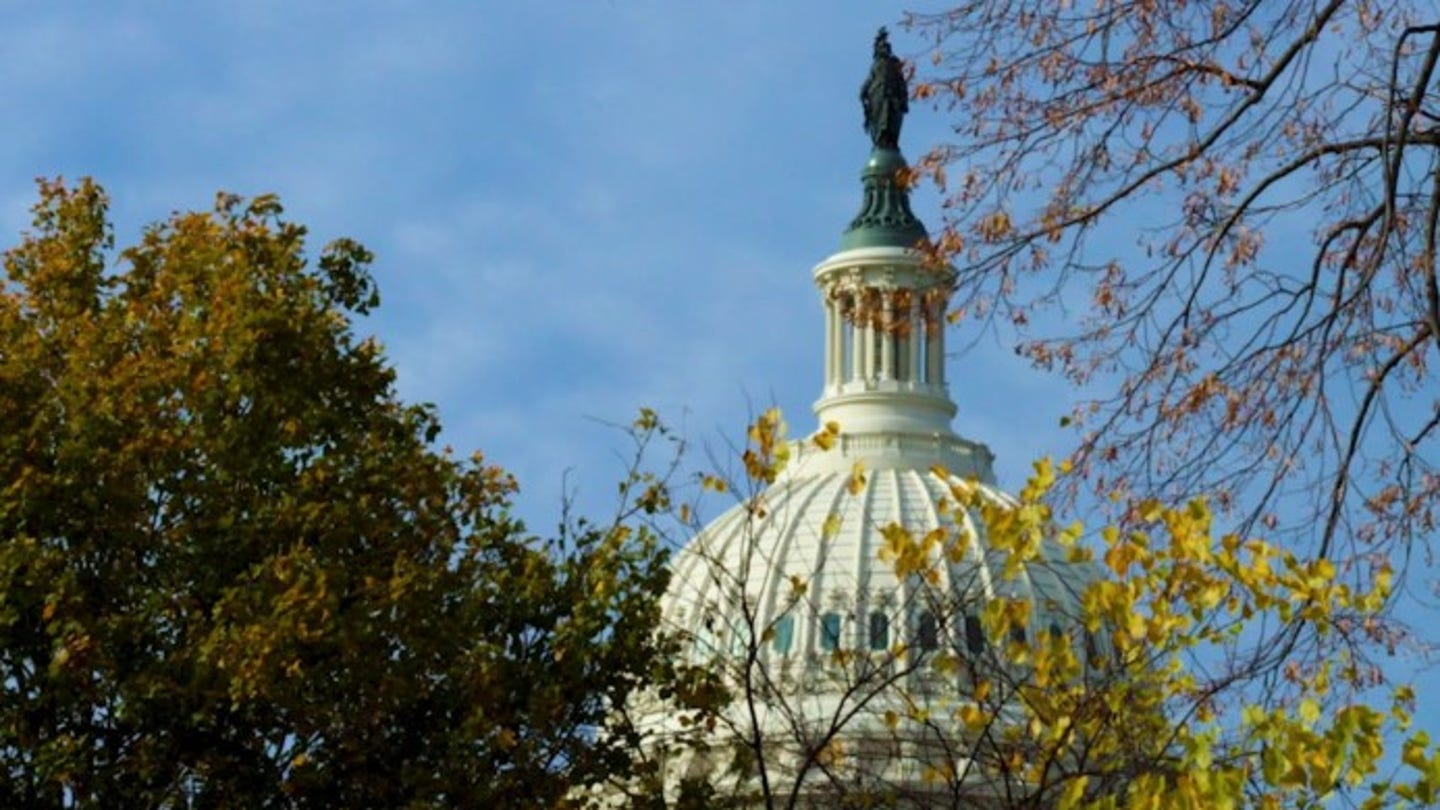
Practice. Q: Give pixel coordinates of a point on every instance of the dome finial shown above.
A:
(885, 219)
(884, 95)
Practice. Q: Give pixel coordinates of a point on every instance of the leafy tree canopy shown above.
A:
(234, 572)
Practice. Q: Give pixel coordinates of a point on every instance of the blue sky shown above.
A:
(577, 208)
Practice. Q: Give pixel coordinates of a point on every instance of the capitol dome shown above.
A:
(811, 563)
(844, 603)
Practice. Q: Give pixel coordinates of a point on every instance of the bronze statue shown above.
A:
(884, 96)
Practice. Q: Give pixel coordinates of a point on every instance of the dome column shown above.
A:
(887, 335)
(934, 346)
(915, 320)
(834, 344)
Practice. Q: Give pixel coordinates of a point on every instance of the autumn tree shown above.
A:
(1235, 207)
(234, 572)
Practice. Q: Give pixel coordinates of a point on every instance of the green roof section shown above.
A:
(885, 218)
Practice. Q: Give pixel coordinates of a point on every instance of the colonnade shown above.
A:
(883, 335)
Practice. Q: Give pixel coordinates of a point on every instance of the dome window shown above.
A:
(830, 631)
(879, 631)
(974, 634)
(927, 632)
(784, 634)
(1092, 650)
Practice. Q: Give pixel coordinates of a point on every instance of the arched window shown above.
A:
(830, 632)
(879, 631)
(974, 635)
(927, 632)
(784, 630)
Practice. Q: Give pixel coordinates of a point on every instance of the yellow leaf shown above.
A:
(647, 420)
(798, 586)
(1413, 751)
(1074, 791)
(973, 717)
(857, 478)
(825, 437)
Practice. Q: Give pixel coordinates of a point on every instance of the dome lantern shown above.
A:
(884, 304)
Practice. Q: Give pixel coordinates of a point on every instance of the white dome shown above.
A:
(808, 568)
(821, 533)
(792, 595)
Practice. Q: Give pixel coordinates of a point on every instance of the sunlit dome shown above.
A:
(815, 564)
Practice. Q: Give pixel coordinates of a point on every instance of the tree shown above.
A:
(1086, 700)
(1239, 204)
(234, 572)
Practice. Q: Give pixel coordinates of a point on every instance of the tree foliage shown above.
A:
(1116, 697)
(1237, 205)
(233, 570)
